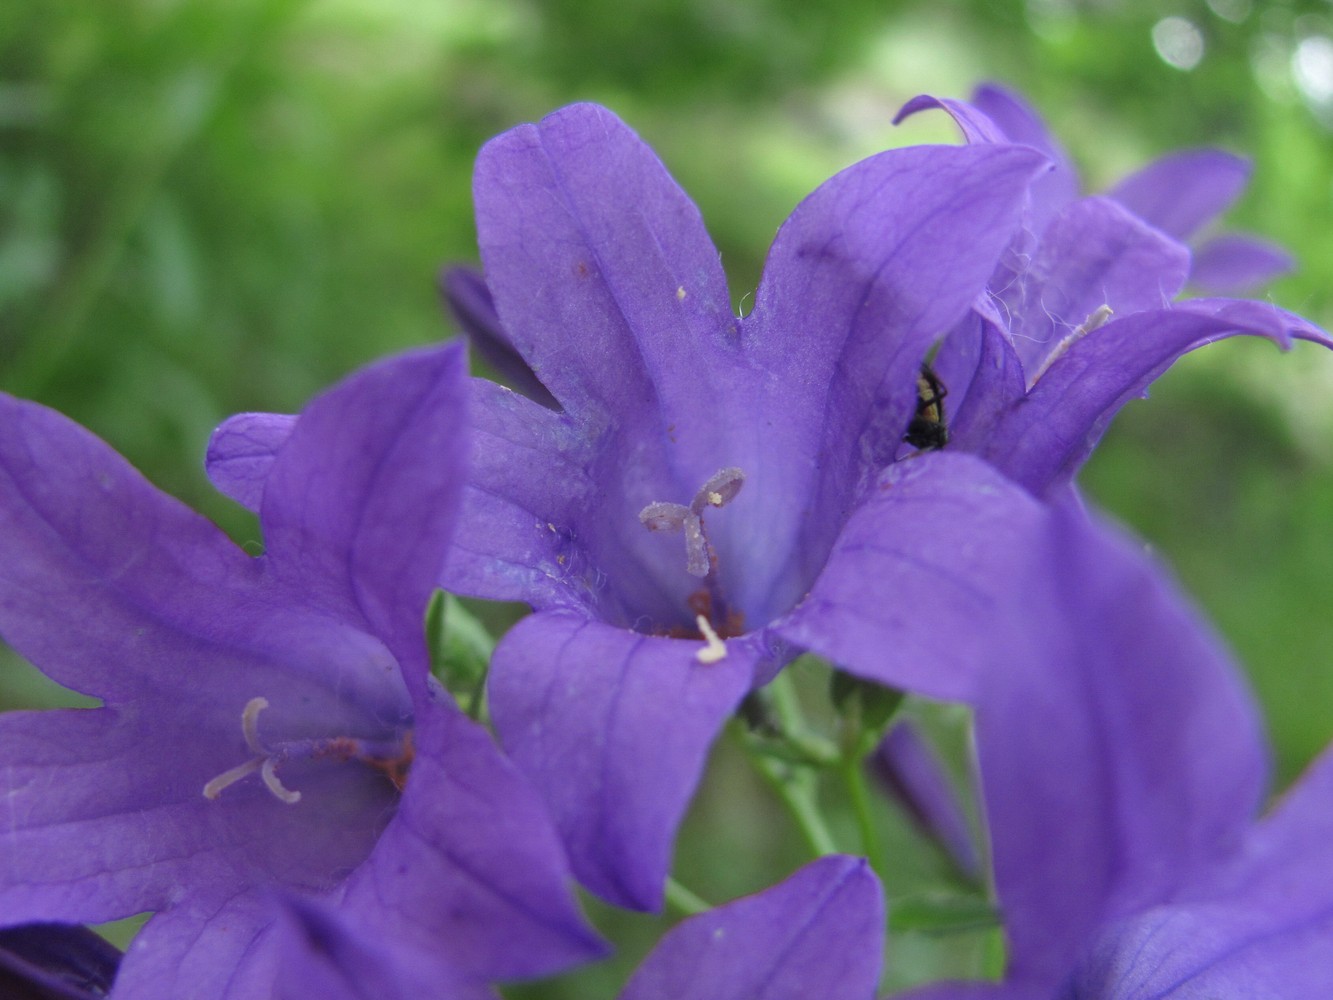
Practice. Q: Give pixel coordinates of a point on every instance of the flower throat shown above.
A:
(715, 618)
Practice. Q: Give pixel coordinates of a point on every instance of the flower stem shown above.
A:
(797, 790)
(872, 843)
(683, 901)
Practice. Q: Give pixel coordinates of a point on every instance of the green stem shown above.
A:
(683, 901)
(872, 843)
(798, 795)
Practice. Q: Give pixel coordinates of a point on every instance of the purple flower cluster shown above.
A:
(688, 500)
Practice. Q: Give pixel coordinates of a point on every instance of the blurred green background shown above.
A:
(213, 207)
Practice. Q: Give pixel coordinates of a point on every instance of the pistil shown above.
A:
(700, 556)
(391, 759)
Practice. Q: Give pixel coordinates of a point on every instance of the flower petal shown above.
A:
(84, 571)
(1093, 254)
(105, 815)
(1237, 262)
(984, 378)
(360, 504)
(1262, 928)
(241, 453)
(582, 229)
(470, 302)
(56, 962)
(613, 727)
(324, 955)
(1110, 714)
(818, 934)
(527, 485)
(205, 949)
(914, 588)
(1042, 441)
(864, 276)
(998, 115)
(470, 873)
(1211, 950)
(1182, 192)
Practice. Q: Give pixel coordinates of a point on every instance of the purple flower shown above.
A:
(710, 494)
(709, 497)
(268, 727)
(1122, 765)
(1079, 318)
(818, 934)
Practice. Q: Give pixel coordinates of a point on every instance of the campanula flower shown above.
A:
(1122, 765)
(267, 728)
(1079, 317)
(702, 496)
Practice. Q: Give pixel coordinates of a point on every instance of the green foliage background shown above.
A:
(213, 207)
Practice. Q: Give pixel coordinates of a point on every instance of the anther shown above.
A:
(715, 649)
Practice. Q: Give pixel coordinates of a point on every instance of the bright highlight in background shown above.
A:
(1312, 68)
(1178, 41)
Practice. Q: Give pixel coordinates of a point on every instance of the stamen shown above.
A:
(721, 488)
(715, 649)
(1095, 320)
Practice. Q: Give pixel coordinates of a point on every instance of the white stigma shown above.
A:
(715, 649)
(263, 761)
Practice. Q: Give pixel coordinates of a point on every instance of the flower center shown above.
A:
(392, 759)
(708, 605)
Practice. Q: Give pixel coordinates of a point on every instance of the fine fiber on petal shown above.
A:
(1183, 191)
(357, 508)
(818, 934)
(613, 728)
(241, 453)
(916, 585)
(1093, 254)
(470, 874)
(1109, 713)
